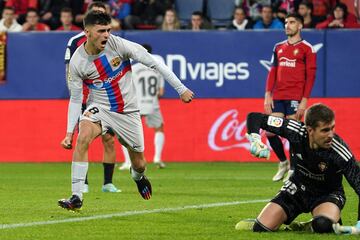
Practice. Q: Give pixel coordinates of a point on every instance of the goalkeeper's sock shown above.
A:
(277, 145)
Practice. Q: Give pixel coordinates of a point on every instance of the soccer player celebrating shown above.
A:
(149, 87)
(103, 64)
(108, 138)
(321, 160)
(289, 83)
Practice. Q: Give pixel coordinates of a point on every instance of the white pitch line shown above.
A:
(129, 213)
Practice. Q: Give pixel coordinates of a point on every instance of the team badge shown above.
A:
(97, 83)
(275, 121)
(115, 61)
(296, 51)
(322, 166)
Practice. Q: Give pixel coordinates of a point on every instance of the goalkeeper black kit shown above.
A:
(318, 172)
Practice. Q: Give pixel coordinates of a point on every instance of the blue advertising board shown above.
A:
(214, 64)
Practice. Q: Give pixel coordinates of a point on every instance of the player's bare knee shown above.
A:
(83, 140)
(322, 224)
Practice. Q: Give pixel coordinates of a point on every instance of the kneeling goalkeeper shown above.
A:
(321, 159)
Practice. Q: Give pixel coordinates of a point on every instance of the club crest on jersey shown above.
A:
(275, 121)
(115, 61)
(322, 166)
(98, 83)
(296, 51)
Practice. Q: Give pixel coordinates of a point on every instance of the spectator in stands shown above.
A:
(66, 19)
(305, 10)
(21, 7)
(253, 7)
(322, 8)
(198, 22)
(147, 14)
(32, 22)
(49, 11)
(115, 23)
(8, 22)
(287, 6)
(340, 18)
(267, 20)
(241, 21)
(171, 21)
(281, 14)
(120, 9)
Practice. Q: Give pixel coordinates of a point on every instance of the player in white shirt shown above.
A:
(109, 155)
(103, 64)
(8, 22)
(149, 87)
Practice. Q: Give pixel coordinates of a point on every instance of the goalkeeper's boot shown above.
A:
(299, 226)
(245, 225)
(74, 203)
(283, 168)
(144, 187)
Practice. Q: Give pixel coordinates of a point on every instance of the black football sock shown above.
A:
(108, 172)
(277, 146)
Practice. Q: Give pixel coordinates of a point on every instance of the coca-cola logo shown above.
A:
(228, 131)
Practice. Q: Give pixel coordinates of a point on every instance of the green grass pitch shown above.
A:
(190, 201)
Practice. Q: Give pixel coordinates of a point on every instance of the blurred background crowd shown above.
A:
(170, 15)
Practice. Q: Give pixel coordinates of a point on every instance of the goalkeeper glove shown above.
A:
(257, 148)
(347, 230)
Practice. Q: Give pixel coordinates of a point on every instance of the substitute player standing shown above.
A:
(289, 84)
(149, 87)
(103, 64)
(107, 139)
(321, 159)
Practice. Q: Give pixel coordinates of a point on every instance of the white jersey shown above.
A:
(148, 82)
(108, 76)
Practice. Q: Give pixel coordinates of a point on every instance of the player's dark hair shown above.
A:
(197, 13)
(318, 113)
(297, 16)
(308, 4)
(343, 7)
(147, 47)
(66, 10)
(96, 4)
(9, 8)
(29, 10)
(96, 18)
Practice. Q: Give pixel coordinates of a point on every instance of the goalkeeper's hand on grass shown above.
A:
(347, 230)
(258, 148)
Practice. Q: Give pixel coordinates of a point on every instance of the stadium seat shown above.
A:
(220, 12)
(185, 8)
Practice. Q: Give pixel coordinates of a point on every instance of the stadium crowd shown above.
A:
(67, 15)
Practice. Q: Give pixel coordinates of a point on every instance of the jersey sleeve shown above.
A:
(292, 130)
(310, 71)
(76, 95)
(271, 78)
(347, 163)
(140, 54)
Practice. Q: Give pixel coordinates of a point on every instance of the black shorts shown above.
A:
(296, 200)
(287, 107)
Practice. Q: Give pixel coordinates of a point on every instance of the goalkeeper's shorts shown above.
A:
(294, 200)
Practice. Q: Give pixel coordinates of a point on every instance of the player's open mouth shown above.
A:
(104, 42)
